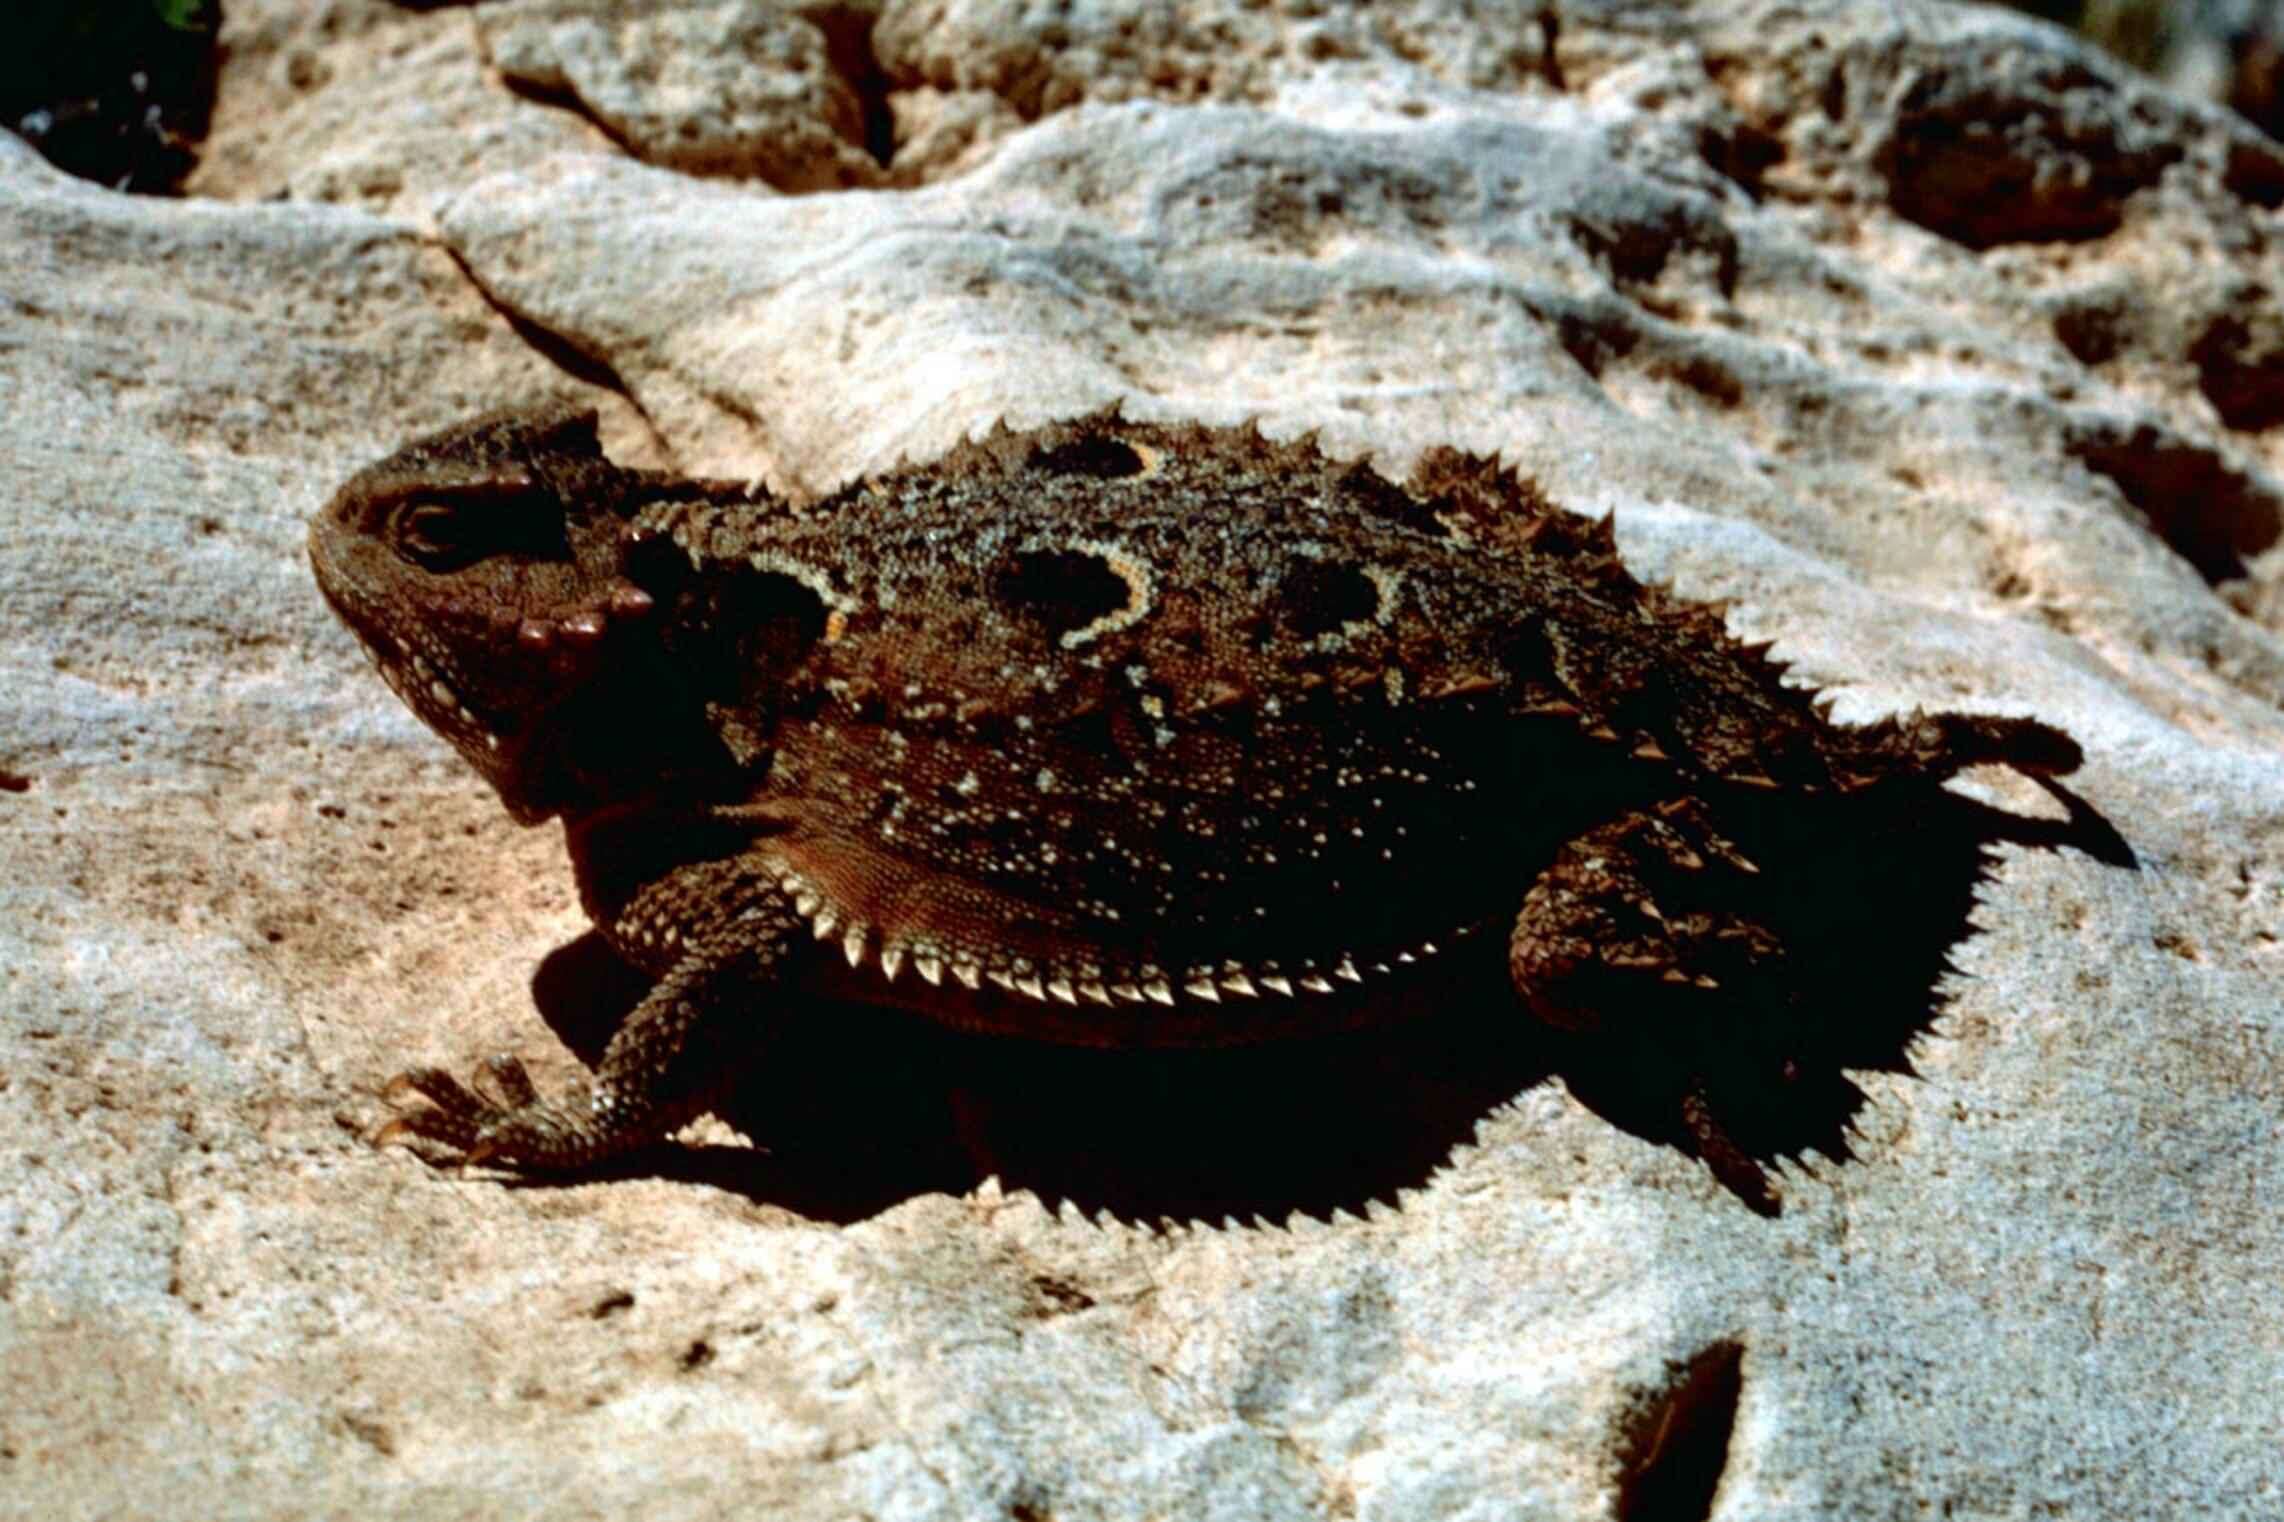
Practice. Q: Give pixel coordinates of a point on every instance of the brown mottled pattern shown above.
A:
(1110, 732)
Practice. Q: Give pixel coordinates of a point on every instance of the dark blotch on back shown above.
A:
(1370, 492)
(1097, 456)
(1317, 597)
(763, 623)
(785, 612)
(1060, 590)
(656, 564)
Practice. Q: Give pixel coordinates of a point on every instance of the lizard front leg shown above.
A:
(671, 1061)
(1619, 938)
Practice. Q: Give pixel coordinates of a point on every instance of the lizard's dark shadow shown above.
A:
(1870, 907)
(855, 1110)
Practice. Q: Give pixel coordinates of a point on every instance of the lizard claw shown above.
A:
(389, 1135)
(501, 1118)
(430, 1085)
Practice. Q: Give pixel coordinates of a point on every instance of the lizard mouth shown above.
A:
(493, 743)
(500, 749)
(423, 684)
(426, 690)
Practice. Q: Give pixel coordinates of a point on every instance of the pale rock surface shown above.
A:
(1943, 349)
(728, 88)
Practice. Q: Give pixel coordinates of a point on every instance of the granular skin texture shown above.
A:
(1119, 734)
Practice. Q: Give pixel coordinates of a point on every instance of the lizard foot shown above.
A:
(508, 1123)
(1644, 934)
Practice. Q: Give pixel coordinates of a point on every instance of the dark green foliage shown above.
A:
(115, 91)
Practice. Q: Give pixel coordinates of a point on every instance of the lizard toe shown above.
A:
(500, 1118)
(504, 1083)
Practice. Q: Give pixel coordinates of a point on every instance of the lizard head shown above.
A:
(479, 569)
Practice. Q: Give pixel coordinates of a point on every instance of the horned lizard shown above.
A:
(1109, 733)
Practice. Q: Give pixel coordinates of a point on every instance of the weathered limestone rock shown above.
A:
(1942, 348)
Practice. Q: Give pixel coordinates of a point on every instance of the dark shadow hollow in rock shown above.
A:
(2240, 367)
(2017, 148)
(847, 31)
(2256, 173)
(2212, 514)
(1674, 1444)
(854, 1110)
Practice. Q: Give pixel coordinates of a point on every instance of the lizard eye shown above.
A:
(451, 532)
(433, 534)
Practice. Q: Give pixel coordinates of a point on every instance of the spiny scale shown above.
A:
(1141, 732)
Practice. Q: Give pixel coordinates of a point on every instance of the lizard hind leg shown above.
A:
(671, 1060)
(1641, 940)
